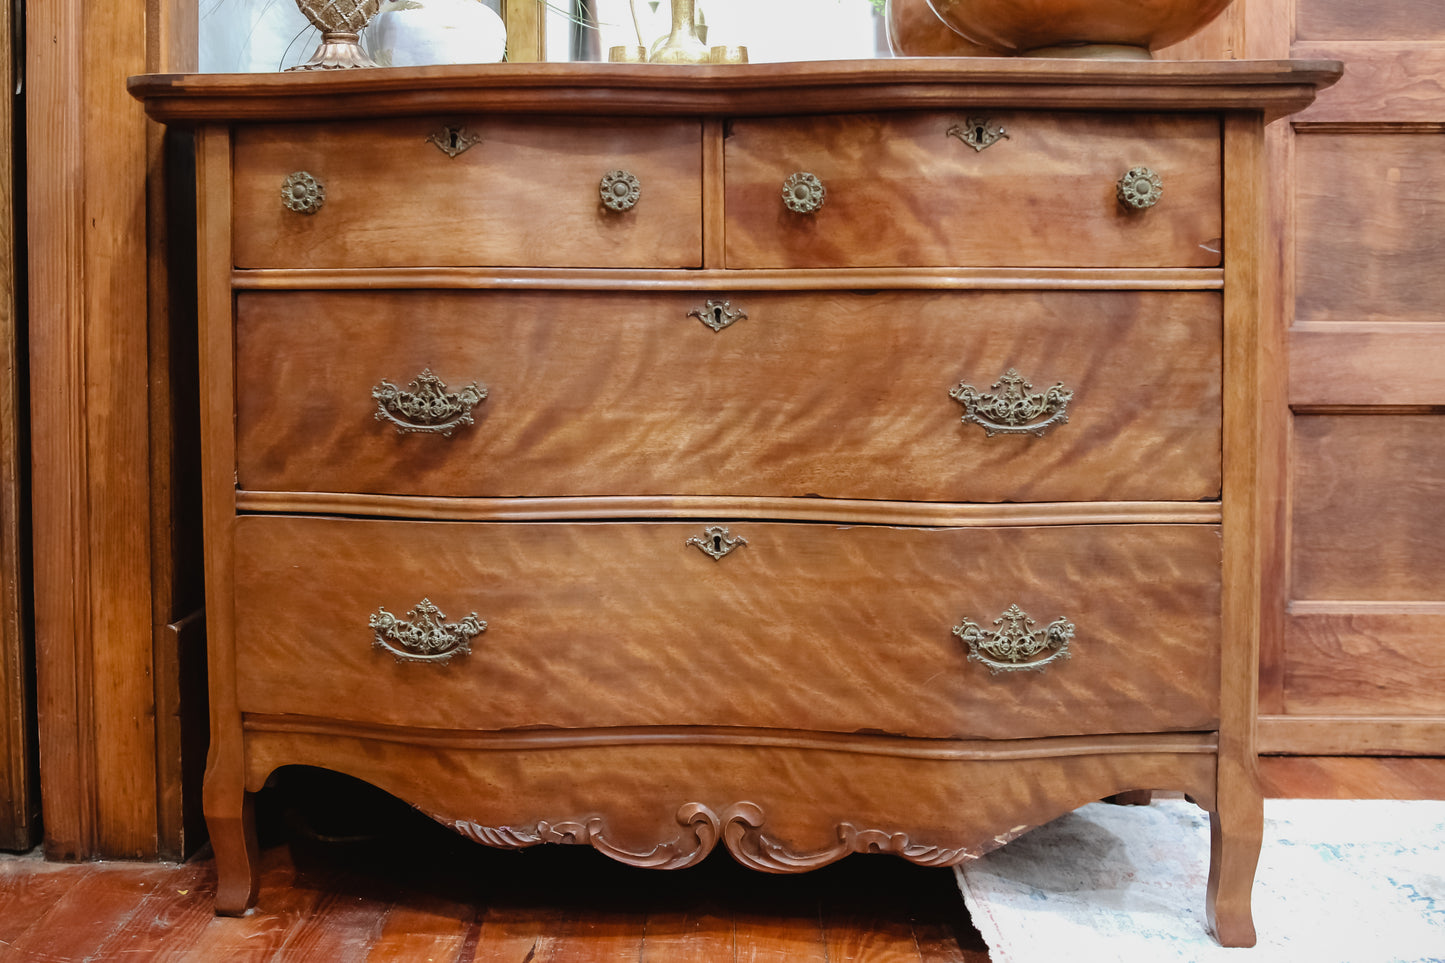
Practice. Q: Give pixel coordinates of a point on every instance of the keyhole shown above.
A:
(717, 315)
(717, 543)
(454, 135)
(978, 133)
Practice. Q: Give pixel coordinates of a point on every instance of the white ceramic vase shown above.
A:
(414, 33)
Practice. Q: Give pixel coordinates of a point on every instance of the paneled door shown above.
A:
(1356, 659)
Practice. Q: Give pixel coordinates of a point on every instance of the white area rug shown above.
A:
(1338, 882)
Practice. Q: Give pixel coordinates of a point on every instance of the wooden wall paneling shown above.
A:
(93, 183)
(1361, 646)
(17, 782)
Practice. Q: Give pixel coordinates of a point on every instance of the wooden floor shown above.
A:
(334, 890)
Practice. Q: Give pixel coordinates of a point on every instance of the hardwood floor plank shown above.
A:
(857, 934)
(697, 934)
(510, 934)
(1425, 775)
(29, 886)
(424, 929)
(88, 913)
(594, 936)
(259, 936)
(343, 928)
(169, 918)
(1349, 777)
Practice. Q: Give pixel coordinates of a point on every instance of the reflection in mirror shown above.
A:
(268, 35)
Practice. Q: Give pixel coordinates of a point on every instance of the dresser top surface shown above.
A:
(1274, 87)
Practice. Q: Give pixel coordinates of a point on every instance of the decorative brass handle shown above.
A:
(718, 314)
(978, 132)
(1016, 410)
(1015, 646)
(620, 190)
(426, 405)
(716, 541)
(424, 635)
(803, 193)
(1140, 189)
(303, 193)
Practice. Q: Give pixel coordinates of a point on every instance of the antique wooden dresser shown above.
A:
(808, 459)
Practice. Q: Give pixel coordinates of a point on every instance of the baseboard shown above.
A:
(1352, 735)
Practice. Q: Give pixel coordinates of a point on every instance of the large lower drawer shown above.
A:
(835, 394)
(528, 193)
(905, 189)
(806, 626)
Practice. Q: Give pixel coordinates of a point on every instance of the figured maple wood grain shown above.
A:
(1413, 20)
(1370, 208)
(806, 626)
(526, 194)
(1369, 507)
(837, 394)
(900, 191)
(1366, 663)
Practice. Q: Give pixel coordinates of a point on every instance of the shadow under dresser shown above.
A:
(808, 458)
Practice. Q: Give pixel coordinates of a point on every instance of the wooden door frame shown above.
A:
(102, 574)
(17, 755)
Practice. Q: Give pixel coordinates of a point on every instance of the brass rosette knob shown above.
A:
(303, 193)
(803, 193)
(1140, 189)
(620, 190)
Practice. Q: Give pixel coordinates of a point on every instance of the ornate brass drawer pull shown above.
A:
(303, 193)
(978, 132)
(424, 635)
(1015, 646)
(425, 405)
(620, 190)
(1140, 188)
(718, 314)
(803, 193)
(1015, 410)
(716, 541)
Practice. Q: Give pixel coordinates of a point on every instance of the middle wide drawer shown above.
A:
(800, 626)
(896, 395)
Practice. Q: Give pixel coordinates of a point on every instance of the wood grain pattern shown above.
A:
(1356, 20)
(1369, 364)
(900, 191)
(803, 795)
(527, 194)
(1275, 87)
(17, 754)
(1356, 735)
(674, 638)
(1391, 82)
(1351, 543)
(842, 395)
(1370, 207)
(1363, 663)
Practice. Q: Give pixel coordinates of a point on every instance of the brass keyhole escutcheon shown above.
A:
(718, 314)
(716, 541)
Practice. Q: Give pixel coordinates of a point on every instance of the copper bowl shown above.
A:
(914, 30)
(1080, 28)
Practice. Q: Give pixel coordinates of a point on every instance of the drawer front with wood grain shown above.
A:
(528, 192)
(908, 190)
(797, 626)
(933, 396)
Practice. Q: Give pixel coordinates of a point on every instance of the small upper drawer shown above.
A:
(909, 190)
(527, 192)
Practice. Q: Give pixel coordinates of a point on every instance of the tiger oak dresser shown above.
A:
(806, 459)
